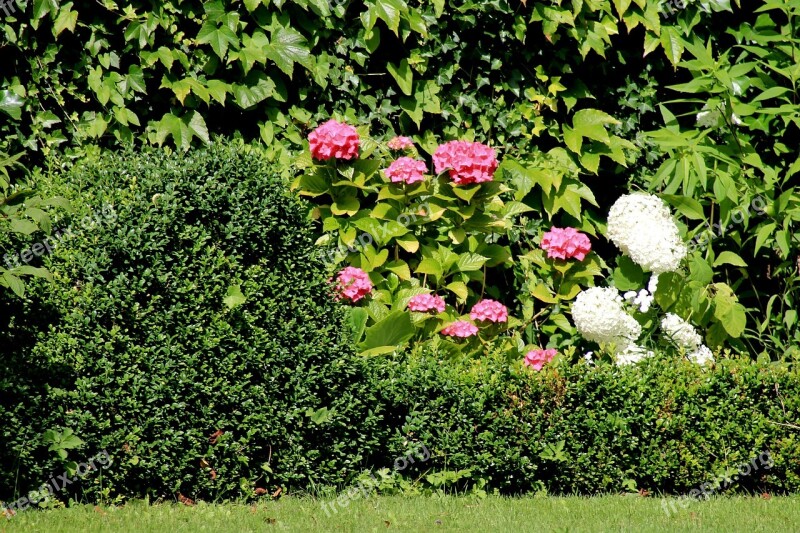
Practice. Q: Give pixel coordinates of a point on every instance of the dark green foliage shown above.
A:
(662, 426)
(144, 346)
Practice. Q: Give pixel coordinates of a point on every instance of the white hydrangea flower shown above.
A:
(652, 285)
(685, 336)
(632, 353)
(701, 356)
(641, 226)
(600, 317)
(680, 332)
(643, 300)
(629, 297)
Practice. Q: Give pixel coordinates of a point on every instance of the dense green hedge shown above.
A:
(664, 425)
(190, 304)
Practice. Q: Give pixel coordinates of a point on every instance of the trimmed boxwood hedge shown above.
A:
(663, 426)
(139, 347)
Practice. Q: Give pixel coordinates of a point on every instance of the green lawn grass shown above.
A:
(607, 513)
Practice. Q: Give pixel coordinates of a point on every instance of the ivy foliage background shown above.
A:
(591, 98)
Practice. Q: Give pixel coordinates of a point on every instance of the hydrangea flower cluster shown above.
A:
(684, 335)
(426, 302)
(566, 243)
(489, 311)
(460, 328)
(406, 170)
(334, 140)
(642, 299)
(353, 284)
(642, 227)
(600, 317)
(400, 143)
(467, 162)
(633, 353)
(537, 358)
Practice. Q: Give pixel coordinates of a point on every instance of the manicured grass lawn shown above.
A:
(607, 513)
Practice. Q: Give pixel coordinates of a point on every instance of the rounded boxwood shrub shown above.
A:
(188, 331)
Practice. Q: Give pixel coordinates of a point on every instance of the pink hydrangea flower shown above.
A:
(460, 328)
(400, 143)
(406, 170)
(334, 140)
(566, 243)
(353, 284)
(490, 311)
(426, 302)
(538, 358)
(468, 162)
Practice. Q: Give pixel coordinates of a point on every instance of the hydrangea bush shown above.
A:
(426, 239)
(428, 256)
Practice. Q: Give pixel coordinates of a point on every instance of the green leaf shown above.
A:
(672, 43)
(459, 289)
(389, 11)
(346, 205)
(65, 20)
(469, 262)
(430, 266)
(218, 37)
(42, 8)
(572, 139)
(198, 126)
(403, 75)
(591, 123)
(699, 270)
(287, 47)
(398, 267)
(234, 298)
(466, 193)
(628, 276)
(357, 322)
(11, 104)
(257, 87)
(764, 233)
(390, 332)
(25, 227)
(729, 258)
(735, 320)
(688, 207)
(14, 283)
(409, 243)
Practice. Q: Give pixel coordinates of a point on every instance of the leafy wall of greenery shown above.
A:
(599, 94)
